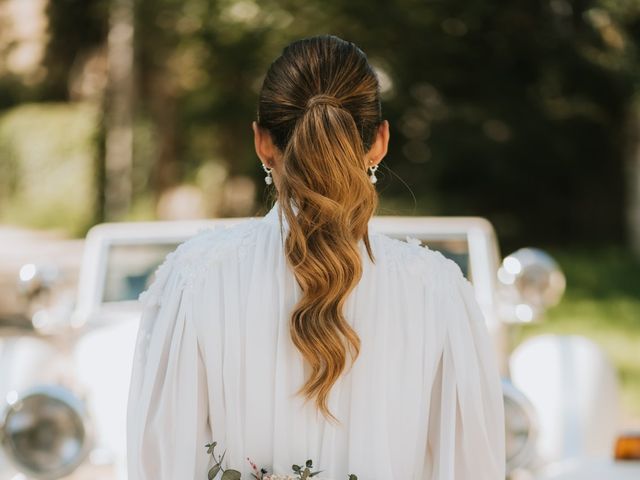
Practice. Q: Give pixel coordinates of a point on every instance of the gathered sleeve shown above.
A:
(466, 437)
(167, 412)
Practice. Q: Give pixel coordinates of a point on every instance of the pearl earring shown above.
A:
(372, 177)
(268, 179)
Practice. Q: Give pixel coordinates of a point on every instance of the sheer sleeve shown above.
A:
(167, 413)
(466, 420)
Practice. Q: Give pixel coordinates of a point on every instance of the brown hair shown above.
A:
(320, 102)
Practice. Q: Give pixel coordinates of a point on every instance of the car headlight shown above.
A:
(521, 427)
(45, 431)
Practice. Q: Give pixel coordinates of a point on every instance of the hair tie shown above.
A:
(323, 99)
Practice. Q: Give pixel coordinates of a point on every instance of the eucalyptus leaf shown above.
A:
(210, 447)
(231, 475)
(214, 471)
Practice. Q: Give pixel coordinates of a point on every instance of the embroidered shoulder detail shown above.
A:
(212, 245)
(194, 256)
(152, 295)
(419, 259)
(409, 255)
(452, 270)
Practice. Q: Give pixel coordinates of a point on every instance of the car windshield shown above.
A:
(130, 267)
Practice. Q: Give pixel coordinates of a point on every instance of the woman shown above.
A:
(303, 336)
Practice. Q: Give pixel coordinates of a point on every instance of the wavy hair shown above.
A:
(320, 102)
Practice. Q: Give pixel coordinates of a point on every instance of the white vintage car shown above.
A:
(64, 380)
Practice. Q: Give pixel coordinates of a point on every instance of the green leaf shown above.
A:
(214, 471)
(316, 473)
(210, 447)
(231, 475)
(352, 477)
(309, 464)
(295, 468)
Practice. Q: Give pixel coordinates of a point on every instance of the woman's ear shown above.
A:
(380, 144)
(265, 149)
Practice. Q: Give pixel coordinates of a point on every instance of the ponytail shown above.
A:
(324, 177)
(320, 102)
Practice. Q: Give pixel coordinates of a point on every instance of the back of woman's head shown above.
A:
(320, 102)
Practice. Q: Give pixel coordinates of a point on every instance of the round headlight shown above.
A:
(530, 282)
(521, 428)
(45, 431)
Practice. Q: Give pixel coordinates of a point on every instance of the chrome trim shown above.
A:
(527, 453)
(62, 395)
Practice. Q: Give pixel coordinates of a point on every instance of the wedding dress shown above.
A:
(214, 361)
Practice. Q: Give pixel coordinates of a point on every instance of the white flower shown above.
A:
(413, 241)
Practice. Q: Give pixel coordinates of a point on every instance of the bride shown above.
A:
(300, 335)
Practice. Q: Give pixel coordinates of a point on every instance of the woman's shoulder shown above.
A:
(417, 259)
(214, 242)
(211, 245)
(199, 253)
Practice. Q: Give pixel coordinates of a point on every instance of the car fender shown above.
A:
(574, 390)
(26, 361)
(104, 357)
(591, 469)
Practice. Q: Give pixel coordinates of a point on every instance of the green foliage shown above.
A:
(227, 474)
(47, 168)
(512, 111)
(301, 473)
(515, 111)
(76, 29)
(305, 472)
(231, 475)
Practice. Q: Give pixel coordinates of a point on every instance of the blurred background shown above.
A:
(523, 112)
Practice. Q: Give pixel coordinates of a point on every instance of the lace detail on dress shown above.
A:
(151, 296)
(212, 245)
(183, 267)
(194, 256)
(420, 260)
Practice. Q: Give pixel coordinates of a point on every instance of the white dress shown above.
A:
(214, 361)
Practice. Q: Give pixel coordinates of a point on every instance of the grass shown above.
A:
(602, 302)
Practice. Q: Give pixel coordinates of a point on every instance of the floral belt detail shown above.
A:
(299, 472)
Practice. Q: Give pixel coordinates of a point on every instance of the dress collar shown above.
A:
(272, 215)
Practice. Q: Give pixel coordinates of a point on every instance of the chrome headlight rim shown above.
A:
(527, 453)
(530, 282)
(59, 394)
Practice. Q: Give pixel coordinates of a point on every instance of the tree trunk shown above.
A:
(119, 128)
(632, 174)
